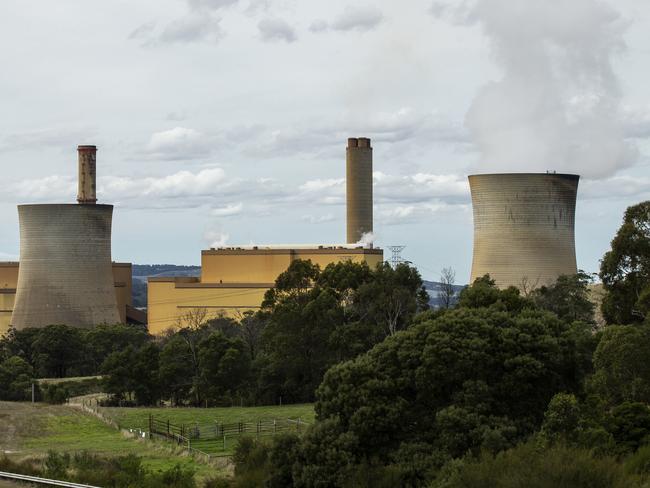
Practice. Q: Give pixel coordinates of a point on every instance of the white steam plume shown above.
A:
(557, 105)
(216, 239)
(367, 239)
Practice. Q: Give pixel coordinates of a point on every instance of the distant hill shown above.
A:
(433, 289)
(143, 271)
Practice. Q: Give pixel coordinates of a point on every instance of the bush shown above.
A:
(526, 465)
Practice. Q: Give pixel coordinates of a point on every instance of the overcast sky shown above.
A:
(225, 121)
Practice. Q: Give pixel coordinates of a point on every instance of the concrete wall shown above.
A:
(122, 276)
(358, 189)
(524, 227)
(234, 281)
(65, 266)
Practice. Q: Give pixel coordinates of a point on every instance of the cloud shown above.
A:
(407, 214)
(216, 239)
(275, 29)
(354, 18)
(320, 219)
(194, 27)
(211, 4)
(228, 211)
(557, 104)
(179, 143)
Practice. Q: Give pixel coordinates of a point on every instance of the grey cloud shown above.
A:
(143, 32)
(319, 25)
(276, 29)
(194, 27)
(211, 4)
(356, 18)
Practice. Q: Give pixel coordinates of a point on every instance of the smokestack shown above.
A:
(358, 189)
(87, 175)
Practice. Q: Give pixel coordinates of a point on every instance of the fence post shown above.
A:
(150, 425)
(274, 428)
(224, 442)
(168, 427)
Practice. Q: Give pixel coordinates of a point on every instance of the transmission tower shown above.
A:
(396, 258)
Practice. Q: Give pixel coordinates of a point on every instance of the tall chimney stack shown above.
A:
(87, 175)
(358, 188)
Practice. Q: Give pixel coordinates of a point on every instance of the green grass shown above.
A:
(138, 418)
(37, 429)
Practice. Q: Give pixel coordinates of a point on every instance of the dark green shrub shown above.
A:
(57, 465)
(531, 467)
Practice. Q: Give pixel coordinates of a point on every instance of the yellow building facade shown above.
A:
(122, 276)
(234, 280)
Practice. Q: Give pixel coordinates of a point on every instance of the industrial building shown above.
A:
(66, 275)
(234, 279)
(524, 224)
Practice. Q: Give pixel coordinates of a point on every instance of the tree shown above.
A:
(471, 379)
(625, 269)
(568, 298)
(224, 366)
(16, 376)
(56, 349)
(484, 293)
(621, 366)
(102, 340)
(392, 297)
(447, 290)
(176, 370)
(133, 374)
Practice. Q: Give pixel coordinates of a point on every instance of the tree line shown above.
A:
(310, 321)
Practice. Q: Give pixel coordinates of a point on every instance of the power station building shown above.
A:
(234, 279)
(524, 227)
(66, 275)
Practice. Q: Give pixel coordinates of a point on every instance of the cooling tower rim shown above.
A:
(561, 175)
(65, 205)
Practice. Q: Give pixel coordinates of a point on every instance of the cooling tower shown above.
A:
(524, 227)
(358, 189)
(65, 274)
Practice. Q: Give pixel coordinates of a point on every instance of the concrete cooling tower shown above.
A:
(524, 227)
(358, 189)
(65, 274)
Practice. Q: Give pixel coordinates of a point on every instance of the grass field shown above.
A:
(28, 430)
(138, 418)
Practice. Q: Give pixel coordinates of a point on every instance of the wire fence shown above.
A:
(218, 438)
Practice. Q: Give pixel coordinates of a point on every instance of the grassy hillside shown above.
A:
(28, 430)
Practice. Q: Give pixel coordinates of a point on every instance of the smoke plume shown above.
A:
(556, 106)
(367, 240)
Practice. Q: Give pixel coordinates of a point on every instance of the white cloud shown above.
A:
(216, 239)
(320, 219)
(275, 29)
(179, 143)
(229, 210)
